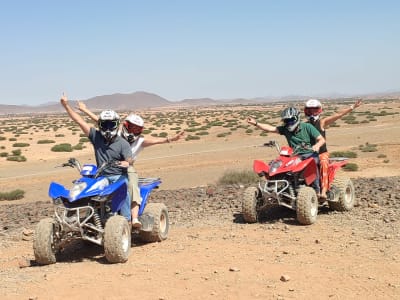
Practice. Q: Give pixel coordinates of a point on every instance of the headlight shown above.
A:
(274, 165)
(77, 189)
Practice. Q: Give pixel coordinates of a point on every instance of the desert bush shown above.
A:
(60, 135)
(348, 154)
(238, 177)
(351, 167)
(163, 134)
(2, 138)
(78, 146)
(3, 154)
(84, 140)
(19, 158)
(45, 141)
(13, 195)
(65, 147)
(202, 133)
(192, 137)
(385, 161)
(368, 147)
(20, 145)
(16, 152)
(382, 156)
(12, 139)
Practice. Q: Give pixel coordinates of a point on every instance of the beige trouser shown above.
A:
(133, 188)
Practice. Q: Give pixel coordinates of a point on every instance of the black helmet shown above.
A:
(291, 118)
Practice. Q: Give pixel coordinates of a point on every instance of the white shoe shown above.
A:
(136, 223)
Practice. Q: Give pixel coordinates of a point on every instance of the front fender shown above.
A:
(56, 190)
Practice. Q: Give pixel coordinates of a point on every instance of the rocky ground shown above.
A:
(378, 202)
(211, 254)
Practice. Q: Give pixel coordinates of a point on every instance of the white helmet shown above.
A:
(132, 127)
(108, 124)
(291, 118)
(313, 109)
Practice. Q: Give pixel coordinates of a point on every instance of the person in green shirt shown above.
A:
(304, 138)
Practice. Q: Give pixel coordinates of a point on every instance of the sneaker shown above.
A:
(136, 223)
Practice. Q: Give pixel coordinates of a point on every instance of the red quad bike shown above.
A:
(287, 180)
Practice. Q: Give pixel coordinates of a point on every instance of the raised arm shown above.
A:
(329, 120)
(150, 141)
(82, 107)
(265, 127)
(74, 115)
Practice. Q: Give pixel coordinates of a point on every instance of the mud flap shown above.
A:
(147, 222)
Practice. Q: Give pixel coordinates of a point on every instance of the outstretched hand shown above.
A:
(251, 121)
(177, 136)
(357, 103)
(81, 106)
(64, 100)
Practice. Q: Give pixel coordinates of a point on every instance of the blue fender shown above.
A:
(145, 190)
(56, 190)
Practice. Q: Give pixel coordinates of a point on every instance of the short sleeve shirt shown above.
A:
(118, 150)
(306, 134)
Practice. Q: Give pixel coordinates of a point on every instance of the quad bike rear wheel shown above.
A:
(251, 199)
(43, 242)
(346, 198)
(161, 223)
(307, 206)
(117, 239)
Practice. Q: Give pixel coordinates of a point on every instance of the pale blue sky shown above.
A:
(191, 49)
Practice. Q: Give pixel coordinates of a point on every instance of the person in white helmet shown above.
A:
(131, 130)
(313, 111)
(108, 146)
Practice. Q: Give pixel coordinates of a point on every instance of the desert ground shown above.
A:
(210, 252)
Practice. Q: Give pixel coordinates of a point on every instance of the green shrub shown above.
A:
(13, 195)
(3, 154)
(382, 156)
(368, 147)
(18, 158)
(238, 177)
(192, 137)
(45, 141)
(2, 138)
(16, 152)
(351, 167)
(20, 145)
(348, 154)
(12, 139)
(60, 135)
(84, 140)
(65, 147)
(78, 146)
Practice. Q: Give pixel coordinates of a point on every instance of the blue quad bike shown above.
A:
(90, 211)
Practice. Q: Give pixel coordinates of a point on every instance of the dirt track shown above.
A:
(211, 254)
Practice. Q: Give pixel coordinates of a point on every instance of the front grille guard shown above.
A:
(74, 223)
(279, 190)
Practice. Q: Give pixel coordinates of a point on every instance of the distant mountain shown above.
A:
(143, 100)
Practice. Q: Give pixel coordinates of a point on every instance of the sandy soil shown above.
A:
(332, 259)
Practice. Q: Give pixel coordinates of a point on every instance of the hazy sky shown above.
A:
(191, 49)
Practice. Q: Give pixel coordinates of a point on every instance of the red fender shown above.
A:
(309, 167)
(259, 166)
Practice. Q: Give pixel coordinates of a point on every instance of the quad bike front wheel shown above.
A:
(161, 223)
(346, 198)
(307, 206)
(117, 239)
(251, 197)
(43, 242)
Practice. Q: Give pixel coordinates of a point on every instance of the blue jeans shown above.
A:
(314, 155)
(126, 206)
